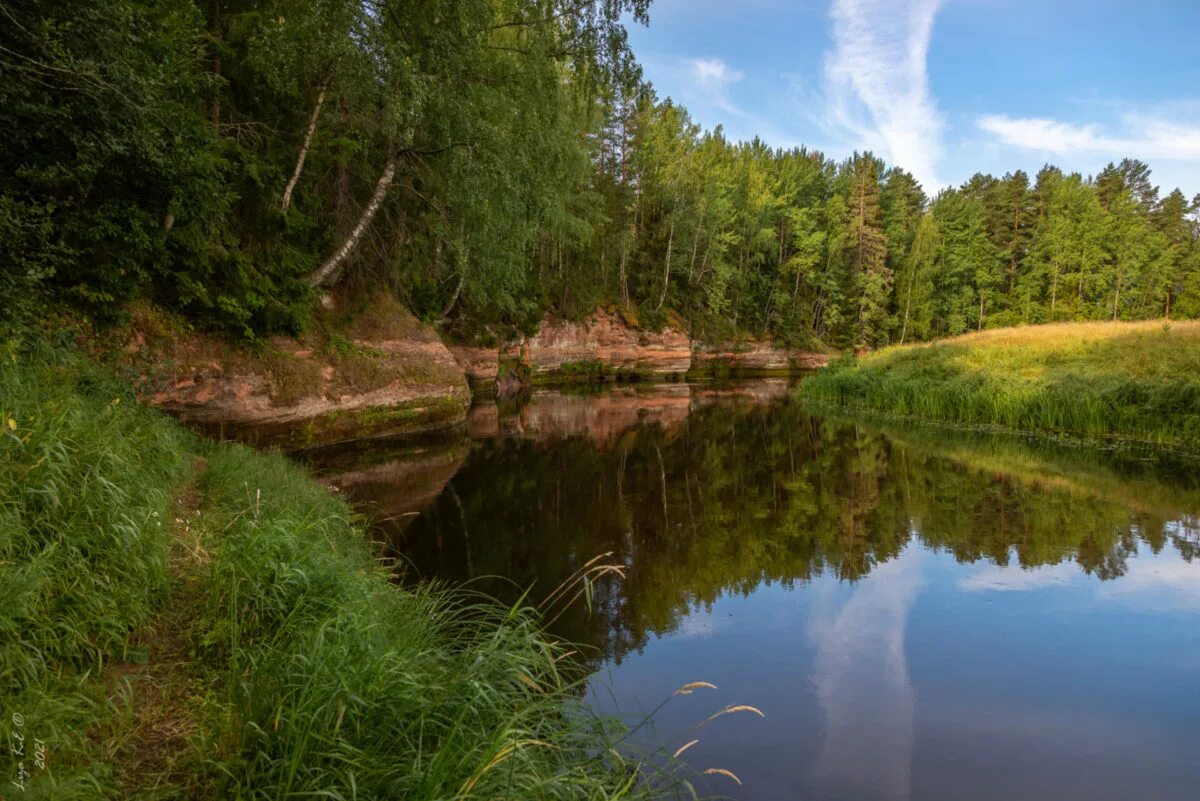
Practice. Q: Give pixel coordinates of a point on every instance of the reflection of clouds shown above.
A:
(862, 684)
(1152, 582)
(696, 624)
(1162, 582)
(1014, 578)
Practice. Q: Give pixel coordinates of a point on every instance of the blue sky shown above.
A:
(944, 88)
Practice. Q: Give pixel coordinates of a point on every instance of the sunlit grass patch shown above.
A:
(1110, 380)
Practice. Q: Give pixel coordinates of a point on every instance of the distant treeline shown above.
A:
(488, 160)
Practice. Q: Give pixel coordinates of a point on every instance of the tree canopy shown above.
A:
(488, 160)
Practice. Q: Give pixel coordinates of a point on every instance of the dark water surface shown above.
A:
(919, 614)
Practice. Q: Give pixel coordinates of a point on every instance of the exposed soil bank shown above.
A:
(374, 370)
(367, 368)
(413, 386)
(602, 347)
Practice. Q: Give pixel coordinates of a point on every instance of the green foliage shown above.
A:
(489, 160)
(1101, 380)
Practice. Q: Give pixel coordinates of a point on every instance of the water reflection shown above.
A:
(921, 614)
(860, 674)
(731, 496)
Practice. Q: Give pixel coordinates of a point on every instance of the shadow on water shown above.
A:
(827, 540)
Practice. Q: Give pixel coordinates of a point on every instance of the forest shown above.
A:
(490, 160)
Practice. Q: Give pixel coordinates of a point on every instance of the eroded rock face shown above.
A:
(606, 339)
(480, 364)
(296, 397)
(756, 356)
(566, 350)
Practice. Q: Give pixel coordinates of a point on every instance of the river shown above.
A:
(917, 613)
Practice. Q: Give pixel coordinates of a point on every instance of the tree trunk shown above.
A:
(323, 273)
(696, 245)
(462, 279)
(624, 285)
(912, 278)
(1053, 291)
(215, 23)
(308, 136)
(667, 269)
(1012, 260)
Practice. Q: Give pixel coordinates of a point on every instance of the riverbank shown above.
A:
(1111, 381)
(367, 367)
(200, 620)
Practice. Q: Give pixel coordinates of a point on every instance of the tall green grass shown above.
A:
(1135, 381)
(85, 485)
(343, 686)
(315, 675)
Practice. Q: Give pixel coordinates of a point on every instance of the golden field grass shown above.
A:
(1111, 380)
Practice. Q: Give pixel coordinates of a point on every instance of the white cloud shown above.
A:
(878, 84)
(712, 77)
(713, 73)
(1143, 137)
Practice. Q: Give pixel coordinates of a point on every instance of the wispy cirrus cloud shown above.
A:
(708, 86)
(878, 84)
(1141, 136)
(713, 77)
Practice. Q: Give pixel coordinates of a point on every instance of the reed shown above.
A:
(1111, 381)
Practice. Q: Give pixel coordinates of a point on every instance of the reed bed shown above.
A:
(1112, 381)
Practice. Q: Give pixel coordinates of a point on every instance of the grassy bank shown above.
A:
(1132, 381)
(186, 620)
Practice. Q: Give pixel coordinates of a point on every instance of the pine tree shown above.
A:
(866, 247)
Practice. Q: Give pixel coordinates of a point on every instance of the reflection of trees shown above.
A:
(739, 496)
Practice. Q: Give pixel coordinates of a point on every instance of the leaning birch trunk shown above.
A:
(449, 307)
(323, 273)
(308, 136)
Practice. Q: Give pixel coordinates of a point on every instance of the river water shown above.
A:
(917, 613)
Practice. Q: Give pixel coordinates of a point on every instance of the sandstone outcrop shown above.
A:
(481, 365)
(755, 356)
(603, 345)
(295, 395)
(605, 339)
(386, 373)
